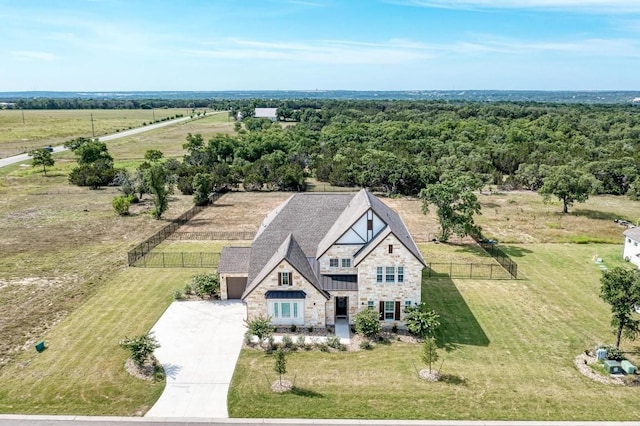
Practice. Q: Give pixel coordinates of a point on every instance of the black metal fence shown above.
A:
(503, 259)
(150, 243)
(485, 271)
(212, 235)
(156, 259)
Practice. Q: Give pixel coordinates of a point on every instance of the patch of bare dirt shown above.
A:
(430, 376)
(281, 386)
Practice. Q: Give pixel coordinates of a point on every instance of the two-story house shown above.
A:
(322, 257)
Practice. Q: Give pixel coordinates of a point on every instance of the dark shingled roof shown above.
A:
(234, 260)
(307, 224)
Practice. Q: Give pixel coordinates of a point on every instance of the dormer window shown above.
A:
(284, 279)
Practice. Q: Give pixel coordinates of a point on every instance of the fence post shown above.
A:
(201, 259)
(163, 264)
(182, 253)
(491, 271)
(471, 270)
(450, 269)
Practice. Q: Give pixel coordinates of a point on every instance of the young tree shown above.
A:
(121, 204)
(160, 184)
(281, 363)
(153, 155)
(568, 183)
(621, 289)
(429, 352)
(42, 157)
(456, 204)
(202, 186)
(420, 321)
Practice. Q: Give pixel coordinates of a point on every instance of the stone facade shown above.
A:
(314, 303)
(370, 290)
(339, 251)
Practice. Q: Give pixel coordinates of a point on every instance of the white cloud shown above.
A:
(33, 54)
(590, 6)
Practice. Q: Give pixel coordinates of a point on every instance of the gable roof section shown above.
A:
(359, 205)
(234, 260)
(290, 251)
(633, 233)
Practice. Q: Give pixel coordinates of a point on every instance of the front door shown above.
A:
(342, 307)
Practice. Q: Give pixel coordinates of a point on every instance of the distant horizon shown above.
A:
(358, 45)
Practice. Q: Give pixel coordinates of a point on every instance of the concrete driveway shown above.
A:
(200, 344)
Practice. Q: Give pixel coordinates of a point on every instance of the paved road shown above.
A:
(25, 157)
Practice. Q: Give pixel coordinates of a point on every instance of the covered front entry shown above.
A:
(235, 287)
(342, 307)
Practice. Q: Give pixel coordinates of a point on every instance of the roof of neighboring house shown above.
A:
(265, 112)
(234, 260)
(633, 233)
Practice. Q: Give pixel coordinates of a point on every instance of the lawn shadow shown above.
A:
(305, 393)
(595, 214)
(515, 251)
(452, 379)
(458, 325)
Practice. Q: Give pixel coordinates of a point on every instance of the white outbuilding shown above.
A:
(631, 251)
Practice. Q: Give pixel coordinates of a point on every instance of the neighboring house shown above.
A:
(322, 257)
(631, 251)
(270, 113)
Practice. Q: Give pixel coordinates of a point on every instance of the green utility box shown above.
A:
(612, 367)
(627, 367)
(40, 346)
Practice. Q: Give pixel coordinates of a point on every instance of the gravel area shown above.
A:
(583, 362)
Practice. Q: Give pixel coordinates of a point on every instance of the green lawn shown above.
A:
(82, 371)
(508, 350)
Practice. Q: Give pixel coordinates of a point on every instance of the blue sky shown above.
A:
(124, 45)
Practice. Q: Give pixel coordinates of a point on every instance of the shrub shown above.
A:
(310, 329)
(613, 353)
(178, 294)
(323, 347)
(260, 327)
(366, 345)
(205, 284)
(272, 345)
(334, 342)
(140, 347)
(301, 341)
(188, 289)
(419, 321)
(367, 323)
(293, 328)
(248, 338)
(287, 342)
(121, 204)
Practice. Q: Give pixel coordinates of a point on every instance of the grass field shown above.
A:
(508, 353)
(44, 127)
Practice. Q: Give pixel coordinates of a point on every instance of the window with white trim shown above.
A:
(286, 311)
(400, 274)
(390, 274)
(379, 274)
(284, 279)
(346, 263)
(407, 303)
(333, 262)
(389, 310)
(370, 304)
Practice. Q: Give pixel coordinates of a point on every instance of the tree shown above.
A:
(281, 363)
(621, 289)
(568, 183)
(456, 204)
(160, 184)
(420, 321)
(140, 347)
(153, 155)
(429, 352)
(42, 157)
(202, 186)
(368, 323)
